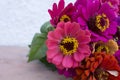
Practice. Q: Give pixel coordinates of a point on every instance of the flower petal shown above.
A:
(67, 61)
(79, 57)
(57, 59)
(51, 53)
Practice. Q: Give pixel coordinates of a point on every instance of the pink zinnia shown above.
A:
(67, 45)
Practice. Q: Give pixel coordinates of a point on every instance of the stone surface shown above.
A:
(14, 66)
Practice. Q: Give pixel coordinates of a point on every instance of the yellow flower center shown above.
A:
(68, 45)
(101, 74)
(102, 22)
(102, 48)
(65, 18)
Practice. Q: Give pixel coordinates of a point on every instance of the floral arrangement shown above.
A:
(81, 40)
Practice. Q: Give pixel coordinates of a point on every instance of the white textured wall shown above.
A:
(21, 19)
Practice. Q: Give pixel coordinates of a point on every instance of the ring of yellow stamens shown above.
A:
(102, 22)
(68, 45)
(65, 18)
(102, 48)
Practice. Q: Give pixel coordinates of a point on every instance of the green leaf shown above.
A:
(49, 65)
(46, 27)
(38, 48)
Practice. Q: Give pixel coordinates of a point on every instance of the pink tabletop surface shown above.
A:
(14, 66)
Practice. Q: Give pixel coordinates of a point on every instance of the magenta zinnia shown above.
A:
(61, 13)
(67, 45)
(98, 18)
(113, 3)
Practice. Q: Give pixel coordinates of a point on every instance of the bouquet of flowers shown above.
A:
(81, 40)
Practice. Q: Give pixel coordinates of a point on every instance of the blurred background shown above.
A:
(21, 19)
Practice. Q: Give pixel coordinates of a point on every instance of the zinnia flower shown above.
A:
(109, 47)
(99, 67)
(113, 3)
(67, 72)
(98, 18)
(61, 13)
(67, 45)
(119, 10)
(118, 20)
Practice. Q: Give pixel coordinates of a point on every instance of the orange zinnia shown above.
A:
(99, 67)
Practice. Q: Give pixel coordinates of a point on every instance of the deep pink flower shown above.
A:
(99, 18)
(113, 3)
(118, 20)
(67, 45)
(62, 13)
(67, 72)
(119, 10)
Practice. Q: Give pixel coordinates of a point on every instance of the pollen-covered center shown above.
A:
(68, 45)
(102, 22)
(65, 18)
(102, 48)
(101, 74)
